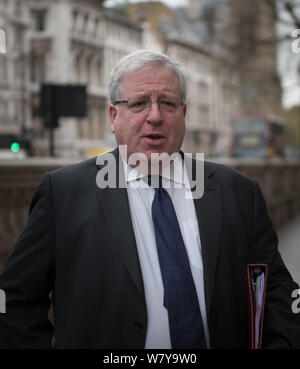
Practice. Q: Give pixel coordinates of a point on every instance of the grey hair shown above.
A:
(139, 60)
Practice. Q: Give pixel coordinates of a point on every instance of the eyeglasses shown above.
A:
(137, 104)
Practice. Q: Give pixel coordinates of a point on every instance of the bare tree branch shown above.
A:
(290, 8)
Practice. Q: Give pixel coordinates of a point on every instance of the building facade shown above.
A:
(77, 42)
(213, 87)
(254, 24)
(14, 82)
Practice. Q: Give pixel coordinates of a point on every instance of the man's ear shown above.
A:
(112, 115)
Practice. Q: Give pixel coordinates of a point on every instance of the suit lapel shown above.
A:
(114, 202)
(208, 210)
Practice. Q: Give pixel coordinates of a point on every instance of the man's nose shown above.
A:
(154, 113)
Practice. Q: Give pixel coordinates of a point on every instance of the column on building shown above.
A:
(14, 98)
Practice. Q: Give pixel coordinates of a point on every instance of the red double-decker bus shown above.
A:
(257, 137)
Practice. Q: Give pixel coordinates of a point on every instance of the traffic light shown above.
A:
(15, 144)
(62, 101)
(15, 147)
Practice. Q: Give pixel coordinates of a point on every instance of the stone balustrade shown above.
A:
(279, 181)
(280, 184)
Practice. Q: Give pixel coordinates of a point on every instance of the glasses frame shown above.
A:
(149, 105)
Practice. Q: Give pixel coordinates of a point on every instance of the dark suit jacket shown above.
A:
(79, 243)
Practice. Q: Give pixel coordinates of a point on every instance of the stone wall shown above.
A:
(279, 181)
(280, 184)
(18, 182)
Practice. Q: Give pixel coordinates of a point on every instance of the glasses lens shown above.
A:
(137, 104)
(168, 105)
(140, 103)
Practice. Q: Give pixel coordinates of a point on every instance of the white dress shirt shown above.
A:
(140, 200)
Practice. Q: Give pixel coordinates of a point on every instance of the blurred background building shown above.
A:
(14, 64)
(228, 50)
(77, 42)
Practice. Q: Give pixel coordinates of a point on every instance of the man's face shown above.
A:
(153, 130)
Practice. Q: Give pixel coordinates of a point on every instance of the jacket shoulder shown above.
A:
(72, 177)
(74, 169)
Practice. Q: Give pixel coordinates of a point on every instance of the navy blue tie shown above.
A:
(180, 296)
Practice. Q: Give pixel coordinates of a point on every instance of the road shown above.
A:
(289, 246)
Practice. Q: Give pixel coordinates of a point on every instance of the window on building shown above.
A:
(32, 67)
(203, 91)
(80, 127)
(228, 92)
(78, 68)
(196, 136)
(39, 20)
(41, 69)
(75, 18)
(101, 125)
(18, 7)
(99, 73)
(142, 13)
(85, 23)
(3, 4)
(3, 68)
(17, 71)
(203, 112)
(90, 128)
(19, 39)
(96, 27)
(89, 78)
(3, 111)
(17, 110)
(37, 71)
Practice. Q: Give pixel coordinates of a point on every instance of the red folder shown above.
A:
(256, 293)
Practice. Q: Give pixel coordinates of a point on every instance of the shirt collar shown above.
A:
(175, 173)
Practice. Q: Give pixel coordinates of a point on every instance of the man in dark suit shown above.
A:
(97, 247)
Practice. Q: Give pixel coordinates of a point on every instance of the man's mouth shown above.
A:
(155, 136)
(154, 139)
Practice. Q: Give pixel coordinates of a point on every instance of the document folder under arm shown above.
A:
(256, 294)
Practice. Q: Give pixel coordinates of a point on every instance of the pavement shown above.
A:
(289, 246)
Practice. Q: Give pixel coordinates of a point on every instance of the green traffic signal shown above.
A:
(15, 147)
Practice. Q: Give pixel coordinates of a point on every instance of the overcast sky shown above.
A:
(171, 3)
